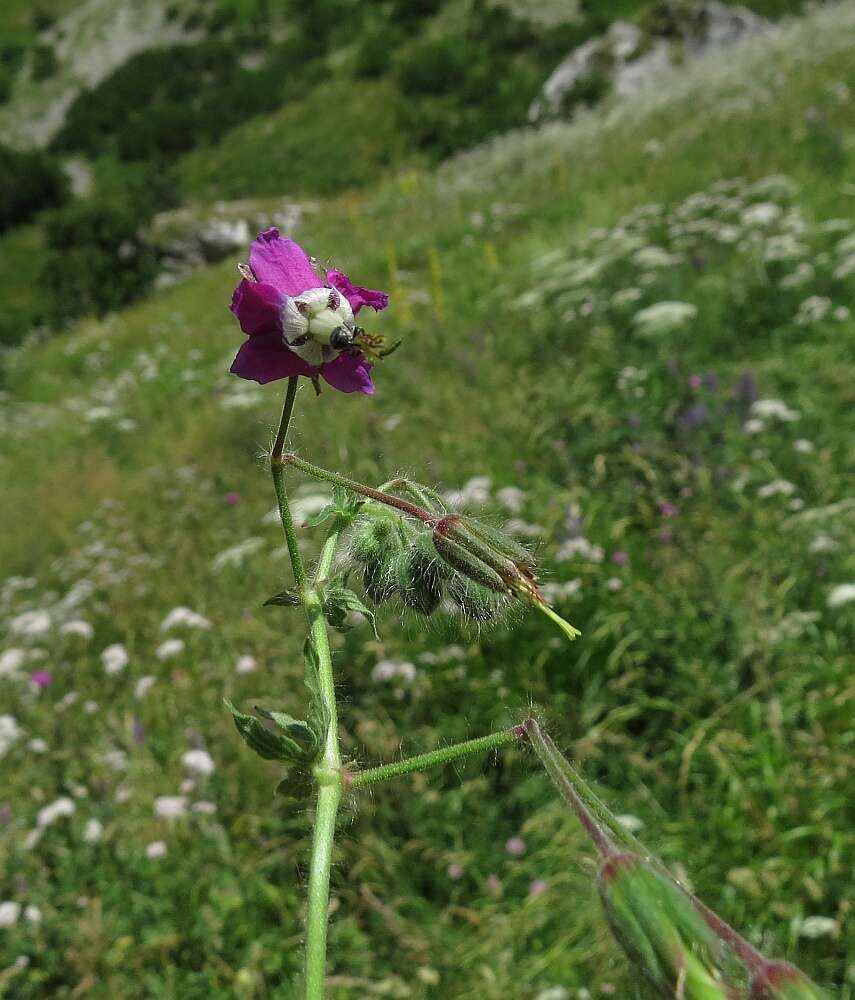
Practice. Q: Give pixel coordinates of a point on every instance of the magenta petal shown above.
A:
(282, 263)
(356, 295)
(262, 360)
(349, 373)
(258, 307)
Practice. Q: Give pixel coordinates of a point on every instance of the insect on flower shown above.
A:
(298, 324)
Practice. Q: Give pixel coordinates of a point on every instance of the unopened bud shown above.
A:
(782, 981)
(661, 931)
(477, 603)
(376, 545)
(420, 575)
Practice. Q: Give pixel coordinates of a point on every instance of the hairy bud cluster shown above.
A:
(472, 570)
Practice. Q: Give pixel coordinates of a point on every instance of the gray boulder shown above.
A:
(630, 56)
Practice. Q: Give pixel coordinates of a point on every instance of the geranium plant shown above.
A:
(405, 544)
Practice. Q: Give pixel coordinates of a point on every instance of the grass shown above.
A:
(710, 695)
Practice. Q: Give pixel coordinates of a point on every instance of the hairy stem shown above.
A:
(328, 771)
(445, 755)
(328, 776)
(316, 472)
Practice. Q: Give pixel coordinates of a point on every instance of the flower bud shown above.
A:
(782, 981)
(477, 603)
(420, 575)
(661, 931)
(376, 545)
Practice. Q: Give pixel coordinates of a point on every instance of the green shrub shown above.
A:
(97, 260)
(30, 181)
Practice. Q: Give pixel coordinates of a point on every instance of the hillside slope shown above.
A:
(642, 321)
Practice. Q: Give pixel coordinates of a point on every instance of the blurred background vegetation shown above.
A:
(686, 474)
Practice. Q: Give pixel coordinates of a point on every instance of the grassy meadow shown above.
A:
(630, 338)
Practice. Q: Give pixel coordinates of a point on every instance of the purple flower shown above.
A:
(620, 558)
(515, 846)
(41, 678)
(695, 381)
(537, 887)
(455, 871)
(667, 509)
(232, 499)
(493, 883)
(298, 325)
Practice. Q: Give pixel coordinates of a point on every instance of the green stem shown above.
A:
(328, 776)
(434, 758)
(277, 468)
(328, 772)
(316, 472)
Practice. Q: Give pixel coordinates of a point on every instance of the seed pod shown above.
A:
(661, 931)
(502, 543)
(782, 981)
(420, 574)
(467, 563)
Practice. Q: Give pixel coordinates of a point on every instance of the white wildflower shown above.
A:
(90, 707)
(553, 993)
(841, 314)
(387, 670)
(579, 548)
(9, 913)
(186, 617)
(170, 806)
(204, 808)
(614, 584)
(843, 593)
(93, 831)
(517, 526)
(764, 213)
(653, 257)
(10, 732)
(664, 317)
(804, 446)
(629, 822)
(778, 487)
(803, 274)
(11, 661)
(626, 297)
(754, 426)
(56, 810)
(774, 409)
(822, 543)
(33, 914)
(845, 268)
(816, 927)
(114, 658)
(555, 592)
(784, 247)
(156, 849)
(169, 648)
(143, 686)
(30, 623)
(37, 745)
(245, 665)
(512, 498)
(236, 555)
(198, 762)
(116, 760)
(813, 310)
(79, 628)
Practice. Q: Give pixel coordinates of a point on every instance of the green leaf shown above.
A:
(343, 507)
(265, 742)
(339, 601)
(284, 599)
